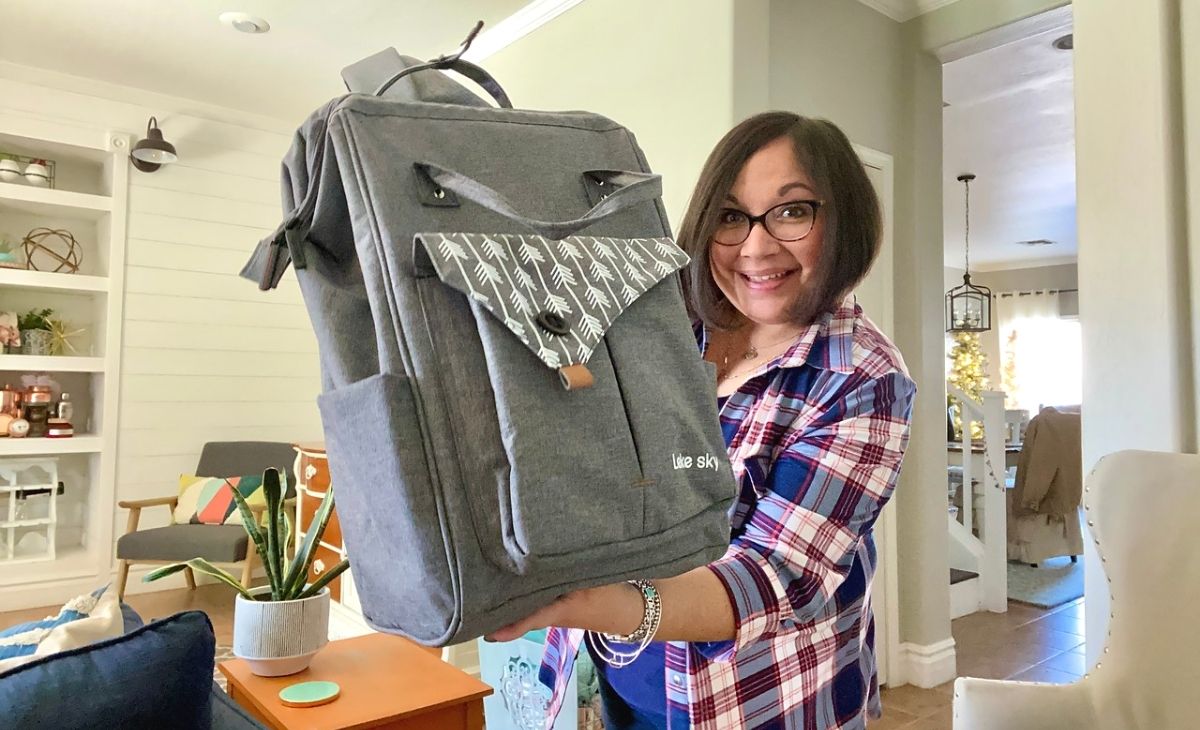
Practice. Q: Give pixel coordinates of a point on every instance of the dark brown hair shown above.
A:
(852, 223)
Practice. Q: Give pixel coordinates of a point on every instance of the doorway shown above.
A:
(1016, 543)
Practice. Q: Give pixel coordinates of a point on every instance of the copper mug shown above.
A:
(10, 401)
(39, 394)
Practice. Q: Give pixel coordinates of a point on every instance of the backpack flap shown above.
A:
(557, 297)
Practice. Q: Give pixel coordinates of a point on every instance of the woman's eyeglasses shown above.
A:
(785, 222)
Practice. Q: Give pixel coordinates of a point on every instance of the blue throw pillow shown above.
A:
(130, 619)
(157, 676)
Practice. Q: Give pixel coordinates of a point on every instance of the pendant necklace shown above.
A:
(751, 353)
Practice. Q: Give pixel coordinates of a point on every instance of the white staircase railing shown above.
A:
(983, 541)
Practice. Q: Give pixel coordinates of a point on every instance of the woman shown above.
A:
(815, 405)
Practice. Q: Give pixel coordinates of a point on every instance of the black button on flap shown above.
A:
(431, 194)
(553, 323)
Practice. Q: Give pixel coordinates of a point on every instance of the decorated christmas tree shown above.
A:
(967, 367)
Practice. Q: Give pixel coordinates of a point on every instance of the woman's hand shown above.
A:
(695, 607)
(614, 609)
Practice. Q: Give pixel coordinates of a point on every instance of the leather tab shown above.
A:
(271, 258)
(576, 377)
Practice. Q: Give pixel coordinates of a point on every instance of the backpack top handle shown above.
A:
(455, 62)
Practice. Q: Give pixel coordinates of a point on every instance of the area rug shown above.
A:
(224, 653)
(1054, 582)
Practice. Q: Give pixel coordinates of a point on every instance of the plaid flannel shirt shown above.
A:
(816, 439)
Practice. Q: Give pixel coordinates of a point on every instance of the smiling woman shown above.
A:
(814, 406)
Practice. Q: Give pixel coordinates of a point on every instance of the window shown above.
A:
(1042, 362)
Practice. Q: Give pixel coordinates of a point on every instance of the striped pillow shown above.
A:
(209, 500)
(83, 620)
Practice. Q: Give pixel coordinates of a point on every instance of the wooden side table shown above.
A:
(386, 682)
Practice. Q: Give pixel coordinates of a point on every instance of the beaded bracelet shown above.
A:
(641, 636)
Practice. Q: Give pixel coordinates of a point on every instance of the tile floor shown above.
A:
(1026, 643)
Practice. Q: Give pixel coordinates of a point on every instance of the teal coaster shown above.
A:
(309, 694)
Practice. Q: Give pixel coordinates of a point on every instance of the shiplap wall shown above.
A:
(206, 356)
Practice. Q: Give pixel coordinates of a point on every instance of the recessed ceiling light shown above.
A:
(1065, 43)
(1037, 242)
(245, 22)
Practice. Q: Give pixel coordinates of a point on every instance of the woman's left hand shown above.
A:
(540, 619)
(615, 608)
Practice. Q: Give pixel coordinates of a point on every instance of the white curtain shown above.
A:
(1040, 352)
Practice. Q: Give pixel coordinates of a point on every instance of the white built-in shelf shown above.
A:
(85, 444)
(27, 523)
(69, 562)
(52, 364)
(53, 203)
(50, 281)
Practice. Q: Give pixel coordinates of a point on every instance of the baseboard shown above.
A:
(345, 624)
(465, 656)
(58, 592)
(928, 665)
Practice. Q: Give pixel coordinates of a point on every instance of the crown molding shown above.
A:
(902, 11)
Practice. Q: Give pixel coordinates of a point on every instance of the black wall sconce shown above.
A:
(152, 152)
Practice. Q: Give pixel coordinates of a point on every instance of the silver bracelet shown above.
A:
(651, 615)
(641, 636)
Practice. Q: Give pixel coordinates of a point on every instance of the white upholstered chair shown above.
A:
(1142, 508)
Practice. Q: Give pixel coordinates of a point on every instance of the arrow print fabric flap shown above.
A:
(522, 280)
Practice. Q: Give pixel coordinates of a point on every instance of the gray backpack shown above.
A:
(514, 406)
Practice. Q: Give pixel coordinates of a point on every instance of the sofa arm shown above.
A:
(228, 715)
(989, 704)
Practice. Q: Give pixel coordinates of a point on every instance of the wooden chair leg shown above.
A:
(248, 570)
(122, 578)
(190, 577)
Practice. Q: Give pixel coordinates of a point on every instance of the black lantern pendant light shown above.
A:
(969, 306)
(153, 152)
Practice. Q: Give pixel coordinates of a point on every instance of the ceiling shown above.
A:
(178, 47)
(1010, 120)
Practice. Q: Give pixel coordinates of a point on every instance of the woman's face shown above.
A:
(763, 276)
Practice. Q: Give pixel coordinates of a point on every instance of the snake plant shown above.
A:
(271, 535)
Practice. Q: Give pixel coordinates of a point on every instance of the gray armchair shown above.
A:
(219, 544)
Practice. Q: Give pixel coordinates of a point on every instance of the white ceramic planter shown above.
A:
(277, 638)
